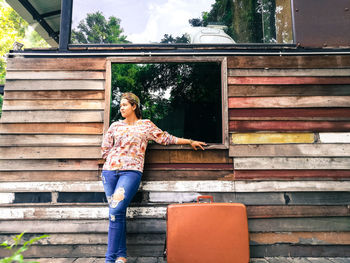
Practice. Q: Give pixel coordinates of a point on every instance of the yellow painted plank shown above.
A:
(271, 138)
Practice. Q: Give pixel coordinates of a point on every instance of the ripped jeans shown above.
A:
(120, 187)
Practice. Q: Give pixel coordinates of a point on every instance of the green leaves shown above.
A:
(96, 29)
(17, 254)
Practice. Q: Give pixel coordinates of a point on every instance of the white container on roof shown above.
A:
(212, 34)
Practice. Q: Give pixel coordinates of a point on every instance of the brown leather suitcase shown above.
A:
(207, 232)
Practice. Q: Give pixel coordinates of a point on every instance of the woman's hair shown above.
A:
(133, 100)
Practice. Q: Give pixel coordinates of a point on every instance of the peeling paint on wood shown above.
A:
(272, 138)
(183, 186)
(7, 198)
(335, 137)
(70, 213)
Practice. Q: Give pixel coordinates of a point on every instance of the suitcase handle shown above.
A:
(205, 197)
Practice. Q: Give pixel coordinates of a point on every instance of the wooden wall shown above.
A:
(288, 159)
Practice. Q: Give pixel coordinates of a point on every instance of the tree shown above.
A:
(169, 39)
(96, 29)
(14, 28)
(242, 18)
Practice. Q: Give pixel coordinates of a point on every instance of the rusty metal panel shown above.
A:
(321, 23)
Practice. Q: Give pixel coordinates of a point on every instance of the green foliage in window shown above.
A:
(184, 99)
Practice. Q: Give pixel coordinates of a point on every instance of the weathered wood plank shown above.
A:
(57, 260)
(56, 64)
(291, 126)
(45, 165)
(287, 80)
(338, 137)
(188, 166)
(138, 226)
(291, 174)
(49, 175)
(188, 175)
(289, 102)
(62, 212)
(288, 61)
(148, 175)
(296, 186)
(287, 90)
(54, 152)
(71, 213)
(322, 224)
(55, 75)
(57, 104)
(290, 150)
(54, 94)
(280, 163)
(89, 239)
(149, 226)
(256, 198)
(258, 260)
(50, 116)
(296, 211)
(319, 260)
(285, 250)
(52, 85)
(278, 260)
(301, 238)
(339, 260)
(183, 186)
(187, 156)
(290, 114)
(51, 128)
(272, 138)
(268, 72)
(50, 140)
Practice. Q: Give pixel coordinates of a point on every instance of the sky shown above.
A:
(145, 21)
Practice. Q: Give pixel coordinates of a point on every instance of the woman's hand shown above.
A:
(195, 144)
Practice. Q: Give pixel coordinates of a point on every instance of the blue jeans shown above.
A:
(120, 187)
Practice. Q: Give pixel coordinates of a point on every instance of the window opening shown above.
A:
(184, 99)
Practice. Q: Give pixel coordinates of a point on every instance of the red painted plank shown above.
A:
(291, 113)
(243, 126)
(289, 102)
(291, 174)
(287, 80)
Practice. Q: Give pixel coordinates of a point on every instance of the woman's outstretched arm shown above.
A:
(194, 144)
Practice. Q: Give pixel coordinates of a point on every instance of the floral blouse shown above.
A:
(124, 145)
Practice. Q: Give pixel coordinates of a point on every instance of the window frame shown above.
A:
(173, 59)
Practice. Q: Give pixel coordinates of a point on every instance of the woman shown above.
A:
(124, 147)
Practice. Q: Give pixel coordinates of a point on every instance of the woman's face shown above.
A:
(126, 109)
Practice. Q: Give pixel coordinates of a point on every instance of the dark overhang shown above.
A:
(42, 15)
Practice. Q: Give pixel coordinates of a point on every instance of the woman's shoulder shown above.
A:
(117, 123)
(145, 122)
